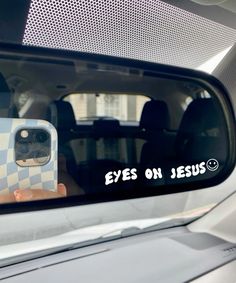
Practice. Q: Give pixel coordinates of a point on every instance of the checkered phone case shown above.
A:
(13, 176)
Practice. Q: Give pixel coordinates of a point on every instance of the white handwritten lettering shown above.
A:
(202, 167)
(134, 175)
(188, 171)
(156, 173)
(125, 174)
(117, 175)
(108, 178)
(180, 172)
(153, 173)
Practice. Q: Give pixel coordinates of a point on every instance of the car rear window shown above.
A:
(91, 106)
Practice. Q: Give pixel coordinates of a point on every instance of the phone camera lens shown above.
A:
(24, 134)
(41, 137)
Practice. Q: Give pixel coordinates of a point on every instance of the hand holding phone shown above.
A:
(28, 155)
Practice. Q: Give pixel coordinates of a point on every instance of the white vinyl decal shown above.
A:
(156, 173)
(188, 171)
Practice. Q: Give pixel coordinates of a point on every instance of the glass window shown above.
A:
(123, 107)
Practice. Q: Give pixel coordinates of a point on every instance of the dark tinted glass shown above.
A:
(119, 130)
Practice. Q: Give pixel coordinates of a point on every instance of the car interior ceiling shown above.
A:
(156, 140)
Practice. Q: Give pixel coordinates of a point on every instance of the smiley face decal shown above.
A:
(212, 164)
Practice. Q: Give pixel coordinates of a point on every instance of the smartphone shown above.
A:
(28, 155)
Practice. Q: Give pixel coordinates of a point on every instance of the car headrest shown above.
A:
(155, 116)
(200, 116)
(61, 115)
(201, 130)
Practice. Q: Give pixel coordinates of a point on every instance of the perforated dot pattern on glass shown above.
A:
(148, 30)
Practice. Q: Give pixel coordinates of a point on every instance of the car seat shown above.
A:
(200, 137)
(61, 115)
(201, 132)
(154, 122)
